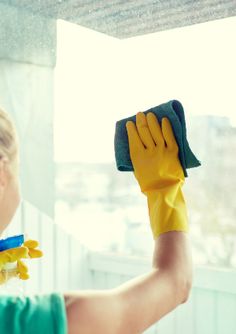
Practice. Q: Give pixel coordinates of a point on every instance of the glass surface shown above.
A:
(99, 80)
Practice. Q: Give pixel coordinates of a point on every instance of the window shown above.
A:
(99, 80)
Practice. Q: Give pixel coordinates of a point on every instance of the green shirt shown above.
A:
(44, 314)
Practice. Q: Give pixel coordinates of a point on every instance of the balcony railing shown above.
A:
(66, 265)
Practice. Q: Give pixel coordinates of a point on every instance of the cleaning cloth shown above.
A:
(174, 111)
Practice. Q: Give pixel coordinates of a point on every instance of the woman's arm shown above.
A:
(137, 304)
(149, 297)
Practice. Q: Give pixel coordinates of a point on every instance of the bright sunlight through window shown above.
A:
(99, 80)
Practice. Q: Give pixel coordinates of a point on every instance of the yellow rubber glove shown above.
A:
(27, 250)
(154, 155)
(22, 270)
(31, 245)
(10, 256)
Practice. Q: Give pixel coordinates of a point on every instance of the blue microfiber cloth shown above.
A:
(174, 111)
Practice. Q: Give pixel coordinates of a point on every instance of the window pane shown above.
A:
(100, 80)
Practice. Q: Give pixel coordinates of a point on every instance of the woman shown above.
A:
(137, 304)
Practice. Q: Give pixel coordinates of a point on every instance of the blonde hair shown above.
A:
(9, 142)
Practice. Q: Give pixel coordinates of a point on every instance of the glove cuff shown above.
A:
(167, 210)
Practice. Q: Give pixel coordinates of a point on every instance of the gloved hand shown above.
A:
(27, 250)
(32, 251)
(154, 155)
(10, 256)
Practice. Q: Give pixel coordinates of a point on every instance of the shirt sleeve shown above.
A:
(36, 314)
